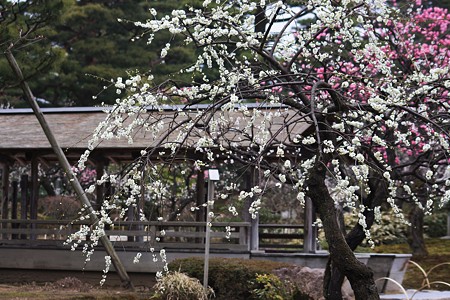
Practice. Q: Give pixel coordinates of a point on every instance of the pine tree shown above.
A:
(84, 46)
(33, 20)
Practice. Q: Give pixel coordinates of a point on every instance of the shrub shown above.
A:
(230, 278)
(179, 286)
(389, 230)
(59, 207)
(270, 287)
(436, 224)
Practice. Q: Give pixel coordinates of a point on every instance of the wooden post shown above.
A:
(254, 222)
(23, 201)
(140, 209)
(199, 201)
(310, 232)
(14, 206)
(34, 188)
(34, 195)
(120, 269)
(5, 196)
(130, 217)
(99, 189)
(200, 196)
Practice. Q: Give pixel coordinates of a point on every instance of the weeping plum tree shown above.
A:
(329, 102)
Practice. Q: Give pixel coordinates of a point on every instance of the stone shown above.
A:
(310, 281)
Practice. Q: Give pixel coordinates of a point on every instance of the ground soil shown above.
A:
(32, 284)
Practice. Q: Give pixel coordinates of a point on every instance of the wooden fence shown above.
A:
(233, 236)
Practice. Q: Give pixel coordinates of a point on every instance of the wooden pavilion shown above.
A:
(22, 141)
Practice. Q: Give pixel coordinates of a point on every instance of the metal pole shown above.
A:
(208, 233)
(120, 269)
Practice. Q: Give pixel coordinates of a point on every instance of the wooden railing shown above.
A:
(169, 235)
(281, 237)
(128, 234)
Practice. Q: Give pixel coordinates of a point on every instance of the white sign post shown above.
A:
(212, 175)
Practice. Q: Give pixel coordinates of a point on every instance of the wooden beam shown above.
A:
(113, 160)
(44, 162)
(22, 162)
(6, 158)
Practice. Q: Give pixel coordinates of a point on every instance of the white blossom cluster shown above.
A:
(330, 93)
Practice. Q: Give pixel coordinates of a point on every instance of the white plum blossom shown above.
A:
(322, 105)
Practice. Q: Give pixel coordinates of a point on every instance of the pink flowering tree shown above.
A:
(346, 105)
(426, 39)
(413, 158)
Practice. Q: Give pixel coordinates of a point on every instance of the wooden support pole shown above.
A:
(254, 222)
(34, 195)
(5, 196)
(310, 232)
(200, 214)
(130, 217)
(15, 193)
(23, 200)
(23, 196)
(200, 197)
(120, 269)
(99, 189)
(15, 190)
(5, 190)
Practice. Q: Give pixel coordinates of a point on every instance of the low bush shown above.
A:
(389, 229)
(179, 286)
(230, 278)
(271, 287)
(59, 207)
(436, 224)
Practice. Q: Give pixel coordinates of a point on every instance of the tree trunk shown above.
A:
(415, 232)
(341, 256)
(47, 185)
(334, 278)
(333, 281)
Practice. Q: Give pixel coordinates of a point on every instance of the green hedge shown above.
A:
(230, 278)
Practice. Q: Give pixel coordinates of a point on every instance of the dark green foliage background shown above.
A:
(80, 46)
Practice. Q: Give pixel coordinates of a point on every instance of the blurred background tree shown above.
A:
(25, 24)
(79, 46)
